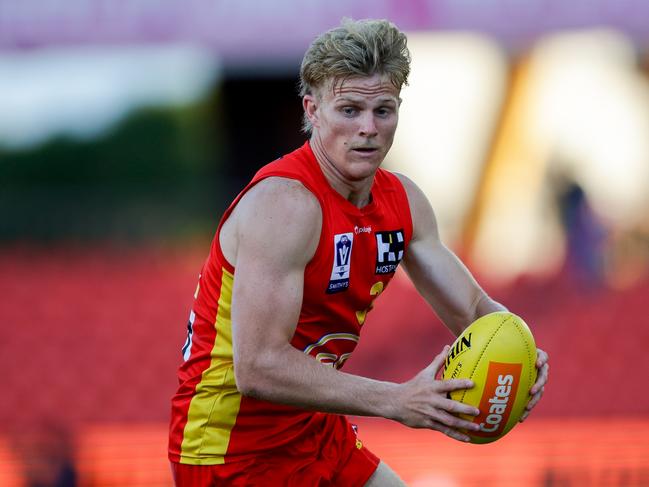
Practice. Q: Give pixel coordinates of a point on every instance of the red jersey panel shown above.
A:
(357, 255)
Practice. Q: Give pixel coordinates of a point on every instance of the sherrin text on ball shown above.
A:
(497, 352)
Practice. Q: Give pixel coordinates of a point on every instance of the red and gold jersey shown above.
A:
(357, 255)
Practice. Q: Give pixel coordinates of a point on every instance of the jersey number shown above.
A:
(187, 347)
(337, 360)
(377, 289)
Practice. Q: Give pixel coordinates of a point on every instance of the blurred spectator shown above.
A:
(585, 237)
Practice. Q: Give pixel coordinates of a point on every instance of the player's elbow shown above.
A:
(244, 376)
(250, 376)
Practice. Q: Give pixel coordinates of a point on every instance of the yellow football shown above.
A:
(497, 352)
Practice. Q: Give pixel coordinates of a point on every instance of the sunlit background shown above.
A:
(127, 127)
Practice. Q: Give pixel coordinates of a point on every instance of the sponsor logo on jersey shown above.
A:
(389, 251)
(339, 280)
(497, 398)
(358, 229)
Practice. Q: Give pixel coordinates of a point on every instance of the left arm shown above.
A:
(445, 282)
(439, 276)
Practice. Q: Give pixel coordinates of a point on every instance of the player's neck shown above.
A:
(357, 192)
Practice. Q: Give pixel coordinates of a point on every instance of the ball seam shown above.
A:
(527, 349)
(484, 348)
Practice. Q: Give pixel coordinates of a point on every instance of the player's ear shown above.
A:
(311, 104)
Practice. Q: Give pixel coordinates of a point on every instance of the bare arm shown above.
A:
(447, 285)
(439, 276)
(276, 228)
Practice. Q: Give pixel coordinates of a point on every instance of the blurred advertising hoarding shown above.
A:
(254, 29)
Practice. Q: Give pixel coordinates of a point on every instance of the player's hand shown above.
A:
(423, 402)
(539, 387)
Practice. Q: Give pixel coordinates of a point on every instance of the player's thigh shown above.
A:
(385, 477)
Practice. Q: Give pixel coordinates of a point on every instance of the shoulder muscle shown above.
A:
(277, 220)
(423, 217)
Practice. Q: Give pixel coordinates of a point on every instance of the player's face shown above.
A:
(354, 124)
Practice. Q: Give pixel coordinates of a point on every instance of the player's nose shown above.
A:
(367, 126)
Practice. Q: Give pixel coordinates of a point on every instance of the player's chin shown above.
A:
(361, 173)
(364, 166)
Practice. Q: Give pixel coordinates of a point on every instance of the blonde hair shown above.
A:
(355, 49)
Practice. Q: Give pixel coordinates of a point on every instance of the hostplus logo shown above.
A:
(389, 251)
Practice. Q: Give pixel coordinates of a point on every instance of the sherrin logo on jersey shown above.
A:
(339, 280)
(389, 251)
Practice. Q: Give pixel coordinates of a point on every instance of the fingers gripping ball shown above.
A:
(497, 352)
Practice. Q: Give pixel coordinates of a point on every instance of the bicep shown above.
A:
(266, 301)
(444, 282)
(437, 273)
(276, 236)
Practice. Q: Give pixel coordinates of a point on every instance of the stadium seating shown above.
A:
(92, 338)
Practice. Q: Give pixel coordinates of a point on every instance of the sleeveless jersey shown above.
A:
(357, 255)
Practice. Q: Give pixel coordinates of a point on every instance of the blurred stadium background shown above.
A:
(126, 128)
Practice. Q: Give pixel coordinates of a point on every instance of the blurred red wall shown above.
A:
(95, 335)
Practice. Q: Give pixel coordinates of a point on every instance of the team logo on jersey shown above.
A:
(339, 280)
(333, 349)
(389, 251)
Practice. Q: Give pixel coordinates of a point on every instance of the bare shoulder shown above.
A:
(277, 215)
(284, 194)
(415, 194)
(423, 216)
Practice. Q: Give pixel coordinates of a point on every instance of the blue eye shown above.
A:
(349, 111)
(383, 112)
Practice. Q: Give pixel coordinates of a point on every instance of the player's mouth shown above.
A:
(365, 151)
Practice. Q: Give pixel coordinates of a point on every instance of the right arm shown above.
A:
(274, 233)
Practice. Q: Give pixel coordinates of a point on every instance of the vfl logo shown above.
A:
(339, 280)
(498, 398)
(389, 251)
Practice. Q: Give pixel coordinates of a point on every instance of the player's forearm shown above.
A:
(291, 377)
(481, 306)
(486, 305)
